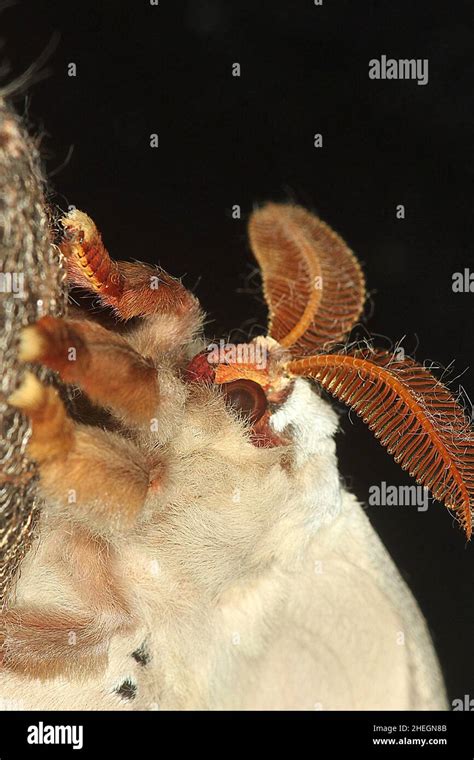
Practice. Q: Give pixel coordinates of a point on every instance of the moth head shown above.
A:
(251, 379)
(314, 288)
(315, 292)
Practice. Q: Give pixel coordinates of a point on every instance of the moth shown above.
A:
(197, 549)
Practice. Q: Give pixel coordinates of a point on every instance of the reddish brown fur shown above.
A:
(103, 364)
(130, 289)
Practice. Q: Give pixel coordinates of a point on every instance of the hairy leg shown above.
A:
(44, 641)
(100, 362)
(99, 476)
(131, 289)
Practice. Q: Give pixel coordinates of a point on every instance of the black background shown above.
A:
(226, 140)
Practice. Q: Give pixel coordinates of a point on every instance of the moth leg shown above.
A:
(131, 289)
(100, 362)
(97, 475)
(46, 641)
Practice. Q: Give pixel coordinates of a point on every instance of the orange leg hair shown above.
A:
(130, 289)
(96, 474)
(100, 362)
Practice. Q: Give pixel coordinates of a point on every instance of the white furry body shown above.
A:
(255, 585)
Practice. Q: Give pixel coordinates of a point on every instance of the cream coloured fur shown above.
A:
(255, 580)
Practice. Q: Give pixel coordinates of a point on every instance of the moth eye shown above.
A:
(246, 397)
